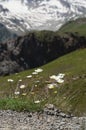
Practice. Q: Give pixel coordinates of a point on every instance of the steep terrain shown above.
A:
(69, 95)
(51, 96)
(77, 26)
(36, 49)
(23, 15)
(5, 34)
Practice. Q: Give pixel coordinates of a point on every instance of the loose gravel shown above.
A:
(48, 119)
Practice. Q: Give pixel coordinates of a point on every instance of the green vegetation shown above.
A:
(77, 26)
(25, 91)
(69, 96)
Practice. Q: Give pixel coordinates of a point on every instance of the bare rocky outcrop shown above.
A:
(35, 50)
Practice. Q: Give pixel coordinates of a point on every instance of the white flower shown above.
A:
(37, 81)
(38, 70)
(36, 102)
(35, 73)
(51, 86)
(55, 92)
(17, 93)
(29, 76)
(53, 77)
(60, 75)
(20, 80)
(60, 81)
(10, 80)
(58, 78)
(16, 73)
(22, 86)
(24, 94)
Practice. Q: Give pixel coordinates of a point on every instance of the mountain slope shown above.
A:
(77, 26)
(5, 34)
(36, 49)
(23, 15)
(69, 96)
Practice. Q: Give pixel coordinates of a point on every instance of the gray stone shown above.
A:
(12, 120)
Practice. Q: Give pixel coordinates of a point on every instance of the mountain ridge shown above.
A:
(24, 15)
(5, 34)
(36, 49)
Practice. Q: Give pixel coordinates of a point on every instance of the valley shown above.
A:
(42, 65)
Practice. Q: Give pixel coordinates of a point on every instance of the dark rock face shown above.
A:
(31, 51)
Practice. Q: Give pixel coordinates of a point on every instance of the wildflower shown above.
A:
(55, 92)
(17, 93)
(29, 76)
(16, 73)
(36, 102)
(20, 80)
(37, 81)
(24, 94)
(50, 86)
(35, 73)
(53, 77)
(22, 86)
(10, 80)
(60, 75)
(60, 81)
(58, 78)
(38, 70)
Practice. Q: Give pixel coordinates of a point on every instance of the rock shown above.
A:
(29, 115)
(50, 113)
(31, 51)
(29, 121)
(69, 116)
(62, 115)
(50, 106)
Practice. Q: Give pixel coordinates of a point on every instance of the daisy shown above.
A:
(10, 80)
(38, 70)
(36, 102)
(29, 76)
(22, 86)
(17, 93)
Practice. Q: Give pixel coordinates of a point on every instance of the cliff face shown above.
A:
(35, 50)
(5, 34)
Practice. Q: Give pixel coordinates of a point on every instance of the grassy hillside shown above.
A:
(77, 26)
(70, 95)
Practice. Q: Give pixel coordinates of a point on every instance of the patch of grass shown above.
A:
(19, 105)
(70, 96)
(77, 26)
(73, 96)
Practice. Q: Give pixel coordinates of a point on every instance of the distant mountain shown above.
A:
(5, 34)
(21, 16)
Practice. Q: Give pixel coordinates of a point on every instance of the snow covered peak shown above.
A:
(23, 15)
(15, 6)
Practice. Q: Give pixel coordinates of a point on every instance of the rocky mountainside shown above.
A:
(5, 34)
(23, 15)
(36, 49)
